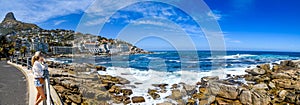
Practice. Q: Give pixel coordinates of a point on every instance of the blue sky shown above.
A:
(246, 24)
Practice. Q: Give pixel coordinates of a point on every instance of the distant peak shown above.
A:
(9, 16)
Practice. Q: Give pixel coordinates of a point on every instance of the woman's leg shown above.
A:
(37, 96)
(42, 94)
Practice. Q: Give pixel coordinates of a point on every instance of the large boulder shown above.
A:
(245, 97)
(103, 96)
(280, 76)
(208, 100)
(190, 89)
(176, 94)
(261, 86)
(256, 71)
(223, 90)
(260, 98)
(264, 66)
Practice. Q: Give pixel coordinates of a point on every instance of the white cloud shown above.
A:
(230, 40)
(215, 14)
(59, 22)
(34, 11)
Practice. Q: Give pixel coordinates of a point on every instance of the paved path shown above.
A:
(13, 85)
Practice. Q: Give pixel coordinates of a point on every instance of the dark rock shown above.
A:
(138, 99)
(127, 91)
(153, 94)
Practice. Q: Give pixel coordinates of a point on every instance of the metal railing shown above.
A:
(49, 99)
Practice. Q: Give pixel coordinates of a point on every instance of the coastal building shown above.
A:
(61, 50)
(38, 44)
(92, 47)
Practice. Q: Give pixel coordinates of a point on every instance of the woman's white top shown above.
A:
(38, 69)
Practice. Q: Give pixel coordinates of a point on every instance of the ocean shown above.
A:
(172, 67)
(172, 61)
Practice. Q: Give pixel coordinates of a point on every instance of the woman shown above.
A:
(38, 73)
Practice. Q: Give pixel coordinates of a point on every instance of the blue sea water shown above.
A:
(171, 61)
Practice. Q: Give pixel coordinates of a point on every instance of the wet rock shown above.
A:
(127, 91)
(138, 99)
(161, 86)
(202, 90)
(191, 102)
(153, 94)
(121, 99)
(100, 68)
(256, 71)
(174, 86)
(115, 89)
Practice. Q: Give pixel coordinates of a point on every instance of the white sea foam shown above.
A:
(147, 78)
(238, 56)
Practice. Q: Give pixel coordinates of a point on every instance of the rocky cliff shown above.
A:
(10, 24)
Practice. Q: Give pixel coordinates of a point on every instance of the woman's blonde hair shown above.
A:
(35, 57)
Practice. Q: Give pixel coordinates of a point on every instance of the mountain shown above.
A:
(10, 24)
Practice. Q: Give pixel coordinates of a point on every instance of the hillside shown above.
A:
(17, 35)
(10, 25)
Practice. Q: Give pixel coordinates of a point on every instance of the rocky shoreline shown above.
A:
(276, 84)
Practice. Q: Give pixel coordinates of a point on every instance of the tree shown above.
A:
(11, 51)
(1, 52)
(23, 50)
(32, 51)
